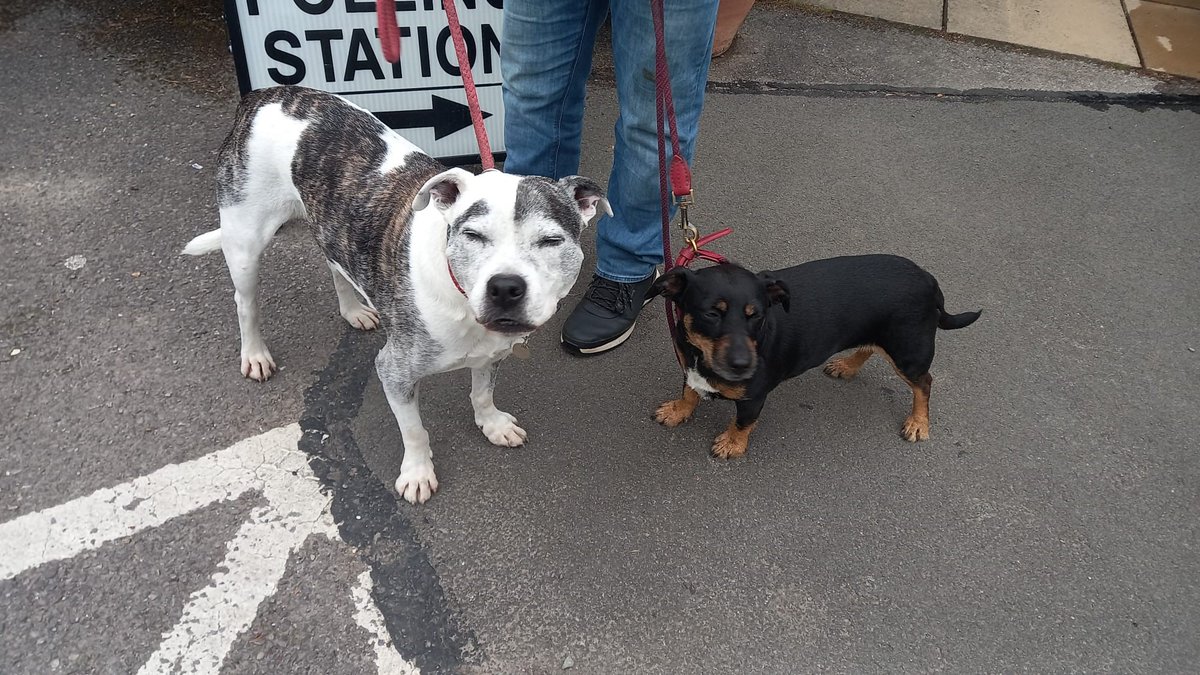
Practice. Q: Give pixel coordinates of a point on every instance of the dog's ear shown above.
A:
(671, 284)
(587, 194)
(443, 189)
(777, 291)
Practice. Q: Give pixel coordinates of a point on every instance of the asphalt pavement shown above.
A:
(1049, 524)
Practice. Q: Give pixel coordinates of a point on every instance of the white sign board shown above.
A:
(333, 45)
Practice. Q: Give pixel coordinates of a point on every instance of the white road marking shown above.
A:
(148, 501)
(387, 660)
(216, 615)
(255, 560)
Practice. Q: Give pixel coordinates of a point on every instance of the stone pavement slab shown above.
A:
(1092, 28)
(1168, 36)
(926, 13)
(785, 43)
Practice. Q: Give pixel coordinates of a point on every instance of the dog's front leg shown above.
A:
(732, 442)
(499, 427)
(417, 481)
(674, 413)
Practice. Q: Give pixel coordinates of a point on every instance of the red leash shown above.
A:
(687, 254)
(464, 68)
(389, 31)
(389, 39)
(677, 179)
(673, 181)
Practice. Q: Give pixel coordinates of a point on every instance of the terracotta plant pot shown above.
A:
(730, 15)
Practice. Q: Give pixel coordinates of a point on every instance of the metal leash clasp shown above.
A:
(690, 234)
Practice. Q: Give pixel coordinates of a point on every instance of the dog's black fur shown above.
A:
(744, 333)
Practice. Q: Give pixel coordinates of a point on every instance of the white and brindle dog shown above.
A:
(455, 286)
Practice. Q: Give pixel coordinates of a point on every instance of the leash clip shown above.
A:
(690, 233)
(685, 200)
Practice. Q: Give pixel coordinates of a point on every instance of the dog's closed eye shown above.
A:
(474, 236)
(550, 240)
(717, 311)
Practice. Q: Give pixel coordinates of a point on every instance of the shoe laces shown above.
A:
(610, 295)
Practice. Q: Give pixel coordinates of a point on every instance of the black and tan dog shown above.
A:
(743, 334)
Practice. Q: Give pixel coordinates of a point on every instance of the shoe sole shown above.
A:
(612, 344)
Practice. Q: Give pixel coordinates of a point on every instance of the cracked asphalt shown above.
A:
(1049, 525)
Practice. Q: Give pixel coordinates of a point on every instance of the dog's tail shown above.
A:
(953, 321)
(205, 243)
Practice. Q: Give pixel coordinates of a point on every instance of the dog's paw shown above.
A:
(731, 444)
(362, 317)
(501, 429)
(417, 483)
(915, 429)
(258, 365)
(674, 413)
(840, 369)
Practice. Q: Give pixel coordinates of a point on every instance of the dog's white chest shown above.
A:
(473, 348)
(697, 382)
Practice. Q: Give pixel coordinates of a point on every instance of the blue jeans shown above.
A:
(546, 56)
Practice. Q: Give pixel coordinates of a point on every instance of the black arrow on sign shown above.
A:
(446, 117)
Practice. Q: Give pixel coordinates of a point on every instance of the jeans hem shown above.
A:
(625, 279)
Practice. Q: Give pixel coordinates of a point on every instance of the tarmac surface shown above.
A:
(1049, 524)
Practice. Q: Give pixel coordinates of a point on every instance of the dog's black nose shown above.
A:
(506, 290)
(739, 362)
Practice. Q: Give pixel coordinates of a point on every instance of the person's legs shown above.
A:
(545, 59)
(629, 244)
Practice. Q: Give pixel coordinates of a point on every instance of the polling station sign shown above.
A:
(333, 45)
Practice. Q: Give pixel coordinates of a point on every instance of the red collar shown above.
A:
(455, 279)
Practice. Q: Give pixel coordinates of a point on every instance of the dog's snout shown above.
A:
(740, 360)
(506, 290)
(736, 359)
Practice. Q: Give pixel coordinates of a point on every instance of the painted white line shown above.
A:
(255, 559)
(387, 660)
(214, 616)
(148, 501)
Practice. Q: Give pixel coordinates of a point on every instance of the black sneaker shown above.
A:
(606, 315)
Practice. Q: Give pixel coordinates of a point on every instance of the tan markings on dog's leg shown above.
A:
(847, 367)
(733, 441)
(916, 427)
(674, 413)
